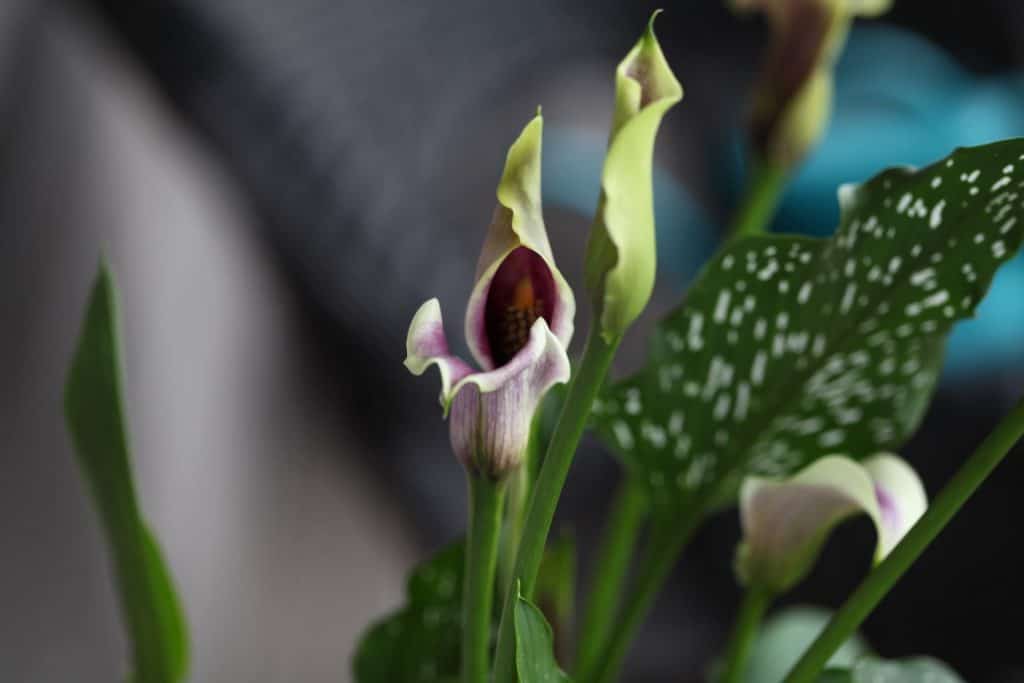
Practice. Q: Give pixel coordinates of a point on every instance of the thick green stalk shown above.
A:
(485, 498)
(515, 510)
(748, 621)
(881, 580)
(597, 357)
(760, 199)
(629, 511)
(664, 550)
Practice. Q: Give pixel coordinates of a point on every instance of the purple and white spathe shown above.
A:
(519, 321)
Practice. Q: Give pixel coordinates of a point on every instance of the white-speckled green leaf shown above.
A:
(420, 642)
(788, 348)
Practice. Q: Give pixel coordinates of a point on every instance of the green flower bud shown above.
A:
(620, 258)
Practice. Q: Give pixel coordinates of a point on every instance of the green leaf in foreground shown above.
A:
(788, 348)
(95, 417)
(420, 642)
(535, 655)
(874, 670)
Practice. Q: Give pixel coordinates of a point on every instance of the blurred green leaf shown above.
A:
(785, 636)
(912, 670)
(788, 348)
(420, 642)
(835, 676)
(95, 417)
(535, 654)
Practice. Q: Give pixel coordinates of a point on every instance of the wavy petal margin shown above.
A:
(426, 345)
(517, 222)
(621, 253)
(785, 522)
(492, 411)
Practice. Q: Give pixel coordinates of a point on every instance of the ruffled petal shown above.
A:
(901, 499)
(518, 223)
(785, 522)
(492, 411)
(427, 345)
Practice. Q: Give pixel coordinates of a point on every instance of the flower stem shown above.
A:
(486, 498)
(597, 357)
(878, 583)
(518, 491)
(760, 199)
(664, 550)
(627, 516)
(755, 603)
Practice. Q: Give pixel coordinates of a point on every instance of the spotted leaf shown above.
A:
(420, 642)
(788, 348)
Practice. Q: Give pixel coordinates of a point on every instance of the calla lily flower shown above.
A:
(785, 522)
(621, 254)
(519, 321)
(793, 97)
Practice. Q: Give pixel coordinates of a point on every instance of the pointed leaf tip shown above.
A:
(95, 420)
(535, 658)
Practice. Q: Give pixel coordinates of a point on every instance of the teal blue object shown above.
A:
(784, 638)
(571, 178)
(902, 100)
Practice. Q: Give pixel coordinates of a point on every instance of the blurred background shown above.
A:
(278, 186)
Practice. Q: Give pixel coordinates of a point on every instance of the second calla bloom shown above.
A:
(793, 97)
(519, 321)
(785, 522)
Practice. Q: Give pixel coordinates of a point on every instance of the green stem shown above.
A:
(486, 498)
(597, 357)
(755, 603)
(665, 549)
(627, 516)
(760, 199)
(518, 492)
(881, 580)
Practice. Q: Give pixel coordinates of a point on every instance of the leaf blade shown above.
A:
(95, 418)
(535, 655)
(788, 348)
(421, 641)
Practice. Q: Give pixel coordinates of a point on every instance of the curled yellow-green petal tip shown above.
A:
(649, 35)
(621, 254)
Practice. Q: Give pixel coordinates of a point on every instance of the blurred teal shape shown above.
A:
(784, 638)
(901, 100)
(571, 178)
